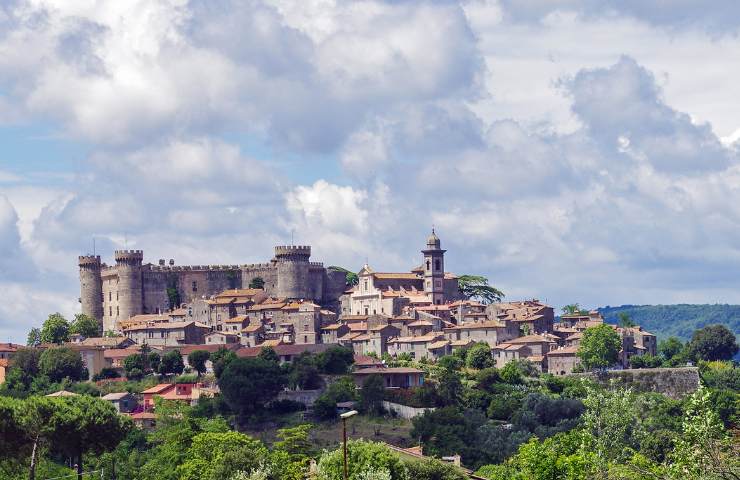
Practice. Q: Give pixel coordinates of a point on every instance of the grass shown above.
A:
(328, 434)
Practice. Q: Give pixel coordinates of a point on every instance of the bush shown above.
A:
(106, 373)
(479, 356)
(286, 406)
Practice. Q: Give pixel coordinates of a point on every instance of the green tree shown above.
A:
(55, 329)
(268, 354)
(625, 320)
(85, 325)
(247, 384)
(477, 287)
(342, 390)
(24, 368)
(599, 347)
(479, 356)
(713, 342)
(295, 442)
(257, 282)
(60, 363)
(171, 363)
(34, 337)
(434, 469)
(197, 359)
(153, 360)
(450, 387)
(371, 394)
(670, 348)
(511, 373)
(365, 456)
(221, 359)
(304, 373)
(573, 309)
(132, 364)
(450, 362)
(645, 361)
(219, 455)
(351, 277)
(336, 360)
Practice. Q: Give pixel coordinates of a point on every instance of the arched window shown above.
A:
(429, 267)
(436, 264)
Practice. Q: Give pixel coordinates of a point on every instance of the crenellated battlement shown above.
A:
(297, 252)
(126, 256)
(200, 268)
(89, 261)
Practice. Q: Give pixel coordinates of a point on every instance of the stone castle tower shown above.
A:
(132, 287)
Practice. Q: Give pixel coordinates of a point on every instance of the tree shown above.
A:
(197, 359)
(571, 309)
(625, 320)
(295, 442)
(220, 359)
(171, 363)
(154, 359)
(257, 282)
(599, 347)
(336, 360)
(85, 325)
(343, 390)
(450, 362)
(55, 329)
(645, 361)
(371, 394)
(670, 348)
(134, 366)
(450, 387)
(713, 342)
(304, 373)
(268, 354)
(479, 356)
(219, 455)
(24, 367)
(434, 469)
(351, 277)
(365, 456)
(60, 363)
(34, 337)
(247, 384)
(476, 286)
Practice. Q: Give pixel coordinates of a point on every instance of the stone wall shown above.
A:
(672, 382)
(404, 411)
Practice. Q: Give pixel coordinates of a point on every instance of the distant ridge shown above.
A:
(676, 320)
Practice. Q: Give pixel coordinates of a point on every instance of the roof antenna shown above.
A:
(292, 234)
(93, 245)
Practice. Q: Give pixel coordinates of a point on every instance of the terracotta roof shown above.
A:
(104, 341)
(179, 312)
(530, 339)
(166, 326)
(461, 343)
(266, 306)
(536, 358)
(121, 352)
(575, 336)
(332, 326)
(421, 323)
(160, 388)
(115, 396)
(348, 336)
(252, 328)
(293, 349)
(237, 319)
(270, 343)
(430, 337)
(62, 393)
(396, 276)
(563, 351)
(186, 350)
(9, 347)
(155, 317)
(387, 371)
(363, 337)
(363, 360)
(438, 344)
(354, 318)
(434, 308)
(143, 416)
(240, 292)
(479, 325)
(357, 327)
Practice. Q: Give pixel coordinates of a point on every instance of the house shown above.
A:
(416, 347)
(7, 350)
(124, 402)
(252, 335)
(374, 341)
(145, 420)
(529, 347)
(4, 365)
(186, 350)
(562, 361)
(235, 324)
(491, 332)
(61, 393)
(167, 334)
(529, 316)
(286, 353)
(106, 342)
(150, 393)
(397, 377)
(221, 338)
(364, 361)
(332, 332)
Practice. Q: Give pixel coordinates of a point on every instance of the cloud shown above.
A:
(14, 262)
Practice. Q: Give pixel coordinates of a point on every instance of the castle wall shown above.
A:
(111, 307)
(130, 296)
(155, 296)
(315, 282)
(335, 283)
(265, 271)
(293, 279)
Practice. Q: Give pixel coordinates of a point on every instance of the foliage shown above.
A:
(352, 278)
(197, 359)
(218, 455)
(645, 361)
(335, 360)
(450, 387)
(247, 384)
(257, 282)
(599, 347)
(371, 395)
(55, 329)
(221, 359)
(433, 469)
(85, 325)
(133, 365)
(24, 367)
(625, 320)
(60, 363)
(713, 342)
(479, 356)
(34, 337)
(676, 320)
(450, 362)
(268, 354)
(573, 309)
(106, 373)
(511, 373)
(364, 456)
(303, 373)
(477, 287)
(295, 442)
(342, 390)
(171, 363)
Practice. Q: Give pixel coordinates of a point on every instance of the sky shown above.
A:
(572, 151)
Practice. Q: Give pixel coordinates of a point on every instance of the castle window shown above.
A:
(429, 267)
(437, 264)
(110, 296)
(118, 311)
(366, 310)
(110, 311)
(365, 287)
(116, 294)
(195, 286)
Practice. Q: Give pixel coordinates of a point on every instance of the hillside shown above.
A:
(679, 320)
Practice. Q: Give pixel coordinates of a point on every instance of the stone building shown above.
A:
(131, 287)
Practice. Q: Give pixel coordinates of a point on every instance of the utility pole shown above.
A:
(344, 417)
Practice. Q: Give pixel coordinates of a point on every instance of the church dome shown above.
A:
(433, 240)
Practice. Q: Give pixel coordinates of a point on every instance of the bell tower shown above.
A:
(434, 269)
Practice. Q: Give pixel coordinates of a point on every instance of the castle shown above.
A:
(113, 293)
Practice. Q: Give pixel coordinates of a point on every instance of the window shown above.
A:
(195, 286)
(118, 311)
(161, 334)
(437, 265)
(110, 296)
(374, 312)
(116, 295)
(365, 285)
(110, 311)
(305, 339)
(428, 265)
(366, 310)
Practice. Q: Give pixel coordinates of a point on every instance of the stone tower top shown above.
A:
(89, 261)
(293, 252)
(433, 242)
(129, 256)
